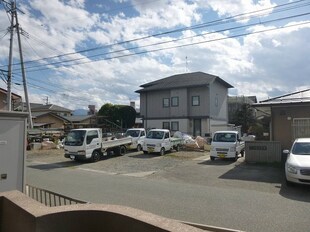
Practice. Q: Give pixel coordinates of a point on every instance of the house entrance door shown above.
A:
(197, 127)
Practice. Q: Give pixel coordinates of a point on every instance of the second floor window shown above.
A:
(166, 125)
(195, 100)
(175, 101)
(174, 126)
(166, 102)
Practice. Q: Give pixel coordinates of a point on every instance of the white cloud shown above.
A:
(263, 64)
(236, 7)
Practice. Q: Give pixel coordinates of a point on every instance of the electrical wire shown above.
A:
(30, 69)
(237, 17)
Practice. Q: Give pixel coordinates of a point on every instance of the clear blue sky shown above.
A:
(94, 52)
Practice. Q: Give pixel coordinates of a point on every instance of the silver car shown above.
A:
(297, 165)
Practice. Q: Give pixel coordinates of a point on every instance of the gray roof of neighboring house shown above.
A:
(39, 114)
(299, 97)
(77, 118)
(183, 80)
(49, 107)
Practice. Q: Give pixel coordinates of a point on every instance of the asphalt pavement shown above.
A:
(184, 186)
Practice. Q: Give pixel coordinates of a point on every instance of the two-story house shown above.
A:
(193, 103)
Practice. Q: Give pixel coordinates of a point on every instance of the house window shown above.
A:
(216, 101)
(166, 125)
(175, 101)
(174, 126)
(166, 102)
(195, 100)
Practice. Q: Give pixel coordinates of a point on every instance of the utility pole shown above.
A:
(13, 11)
(9, 80)
(23, 73)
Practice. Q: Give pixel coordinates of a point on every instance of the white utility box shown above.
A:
(12, 150)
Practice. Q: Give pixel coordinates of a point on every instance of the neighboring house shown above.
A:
(16, 100)
(235, 104)
(51, 108)
(48, 116)
(193, 103)
(290, 116)
(84, 121)
(48, 120)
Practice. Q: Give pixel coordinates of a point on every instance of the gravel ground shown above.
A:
(132, 162)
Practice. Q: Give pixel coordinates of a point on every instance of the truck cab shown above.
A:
(137, 135)
(226, 144)
(81, 144)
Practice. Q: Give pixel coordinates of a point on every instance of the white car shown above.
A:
(297, 166)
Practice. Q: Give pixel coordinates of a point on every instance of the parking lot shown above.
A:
(193, 167)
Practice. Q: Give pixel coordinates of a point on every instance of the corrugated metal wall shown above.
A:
(263, 151)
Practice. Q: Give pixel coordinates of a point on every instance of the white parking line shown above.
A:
(139, 174)
(202, 158)
(97, 171)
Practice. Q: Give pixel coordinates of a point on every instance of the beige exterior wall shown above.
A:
(57, 123)
(282, 122)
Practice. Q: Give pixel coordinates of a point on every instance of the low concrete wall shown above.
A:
(20, 213)
(263, 151)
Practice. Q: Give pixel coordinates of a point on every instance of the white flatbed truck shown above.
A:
(138, 136)
(160, 141)
(87, 143)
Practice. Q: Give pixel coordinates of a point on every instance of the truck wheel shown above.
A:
(145, 152)
(177, 148)
(236, 156)
(95, 156)
(212, 158)
(139, 148)
(122, 150)
(162, 151)
(242, 153)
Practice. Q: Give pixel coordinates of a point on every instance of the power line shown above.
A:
(242, 16)
(30, 69)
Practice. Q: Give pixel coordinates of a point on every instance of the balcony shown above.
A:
(21, 213)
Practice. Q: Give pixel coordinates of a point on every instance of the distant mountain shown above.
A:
(80, 112)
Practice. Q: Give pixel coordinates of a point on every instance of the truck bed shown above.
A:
(116, 142)
(175, 141)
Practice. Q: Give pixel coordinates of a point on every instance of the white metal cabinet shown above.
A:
(12, 150)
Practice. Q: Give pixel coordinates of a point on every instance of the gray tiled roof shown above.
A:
(77, 118)
(183, 80)
(50, 108)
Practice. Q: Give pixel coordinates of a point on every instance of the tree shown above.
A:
(128, 116)
(244, 117)
(119, 114)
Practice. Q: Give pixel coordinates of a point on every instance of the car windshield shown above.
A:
(224, 137)
(132, 133)
(155, 135)
(301, 149)
(75, 138)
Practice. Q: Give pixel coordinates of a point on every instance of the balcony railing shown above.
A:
(49, 198)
